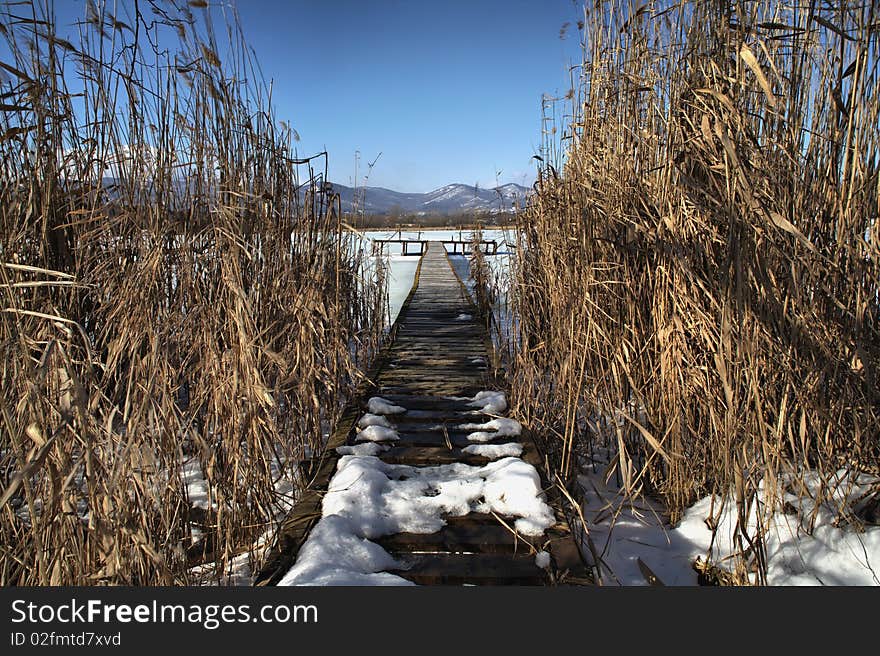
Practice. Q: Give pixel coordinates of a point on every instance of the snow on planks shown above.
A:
(434, 368)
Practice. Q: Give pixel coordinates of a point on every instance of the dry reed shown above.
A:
(177, 286)
(697, 287)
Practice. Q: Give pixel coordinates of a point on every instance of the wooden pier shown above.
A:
(417, 247)
(439, 350)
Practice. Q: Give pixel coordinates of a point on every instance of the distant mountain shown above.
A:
(451, 199)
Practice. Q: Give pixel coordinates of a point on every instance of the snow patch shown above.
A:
(193, 478)
(515, 490)
(376, 433)
(379, 406)
(542, 559)
(503, 427)
(370, 419)
(489, 402)
(368, 498)
(362, 449)
(335, 555)
(625, 531)
(495, 451)
(834, 553)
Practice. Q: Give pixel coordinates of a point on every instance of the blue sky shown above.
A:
(446, 91)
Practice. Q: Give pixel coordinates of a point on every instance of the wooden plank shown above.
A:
(437, 438)
(418, 365)
(454, 383)
(440, 388)
(291, 536)
(426, 456)
(318, 471)
(429, 402)
(427, 353)
(462, 534)
(452, 421)
(473, 569)
(438, 415)
(432, 360)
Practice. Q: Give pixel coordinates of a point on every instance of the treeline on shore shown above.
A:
(416, 221)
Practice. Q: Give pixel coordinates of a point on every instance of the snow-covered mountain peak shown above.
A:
(449, 199)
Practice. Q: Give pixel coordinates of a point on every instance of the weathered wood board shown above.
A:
(438, 358)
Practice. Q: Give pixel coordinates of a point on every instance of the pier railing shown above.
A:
(417, 247)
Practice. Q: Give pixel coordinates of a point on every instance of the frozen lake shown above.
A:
(402, 268)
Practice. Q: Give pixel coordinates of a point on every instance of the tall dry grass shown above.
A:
(697, 287)
(176, 285)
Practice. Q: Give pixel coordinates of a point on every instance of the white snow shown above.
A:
(379, 406)
(237, 571)
(503, 427)
(197, 492)
(623, 531)
(463, 317)
(542, 559)
(362, 449)
(335, 555)
(368, 498)
(370, 419)
(830, 555)
(382, 499)
(495, 451)
(490, 402)
(377, 434)
(516, 492)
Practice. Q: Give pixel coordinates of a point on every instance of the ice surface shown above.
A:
(377, 434)
(402, 271)
(379, 406)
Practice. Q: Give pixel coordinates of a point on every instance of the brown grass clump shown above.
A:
(698, 280)
(175, 285)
